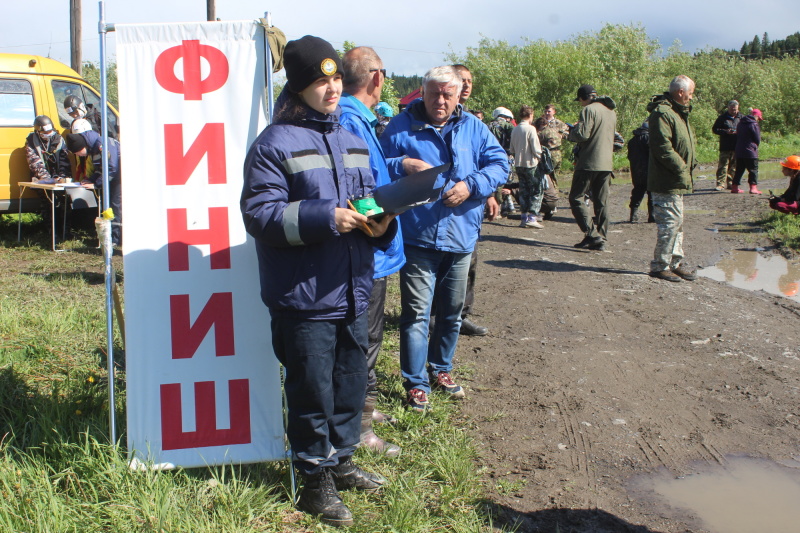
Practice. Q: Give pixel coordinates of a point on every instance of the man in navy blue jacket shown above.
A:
(364, 76)
(439, 237)
(90, 144)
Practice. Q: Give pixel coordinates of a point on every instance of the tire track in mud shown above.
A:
(580, 449)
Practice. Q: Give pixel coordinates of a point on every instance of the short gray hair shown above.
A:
(733, 103)
(358, 64)
(680, 83)
(444, 74)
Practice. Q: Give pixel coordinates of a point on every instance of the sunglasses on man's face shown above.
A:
(381, 70)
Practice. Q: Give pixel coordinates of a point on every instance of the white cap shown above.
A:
(502, 112)
(80, 125)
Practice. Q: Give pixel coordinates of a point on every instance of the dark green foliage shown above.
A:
(763, 47)
(91, 73)
(406, 84)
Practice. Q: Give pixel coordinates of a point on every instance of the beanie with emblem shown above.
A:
(307, 59)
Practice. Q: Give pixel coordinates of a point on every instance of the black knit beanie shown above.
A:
(75, 142)
(308, 59)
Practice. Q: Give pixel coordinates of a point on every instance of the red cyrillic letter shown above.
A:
(206, 433)
(187, 337)
(180, 165)
(192, 87)
(180, 237)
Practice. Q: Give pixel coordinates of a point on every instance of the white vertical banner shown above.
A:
(203, 384)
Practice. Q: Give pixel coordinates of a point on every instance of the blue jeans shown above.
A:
(326, 380)
(427, 271)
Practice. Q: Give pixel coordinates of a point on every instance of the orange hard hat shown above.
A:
(792, 162)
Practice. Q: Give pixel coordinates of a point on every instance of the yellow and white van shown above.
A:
(31, 86)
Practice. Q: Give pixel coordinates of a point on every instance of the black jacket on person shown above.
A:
(639, 151)
(725, 126)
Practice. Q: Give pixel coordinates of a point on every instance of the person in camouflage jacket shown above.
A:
(552, 133)
(46, 154)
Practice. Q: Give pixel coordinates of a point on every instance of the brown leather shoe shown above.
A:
(666, 275)
(685, 273)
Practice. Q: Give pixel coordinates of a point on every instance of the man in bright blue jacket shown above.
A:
(439, 237)
(364, 76)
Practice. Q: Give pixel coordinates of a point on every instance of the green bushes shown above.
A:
(623, 62)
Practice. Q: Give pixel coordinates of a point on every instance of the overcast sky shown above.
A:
(411, 41)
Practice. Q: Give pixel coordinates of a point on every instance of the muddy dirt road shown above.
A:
(594, 374)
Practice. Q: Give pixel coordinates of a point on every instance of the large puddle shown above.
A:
(749, 269)
(744, 496)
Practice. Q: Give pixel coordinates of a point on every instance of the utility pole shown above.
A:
(75, 35)
(211, 10)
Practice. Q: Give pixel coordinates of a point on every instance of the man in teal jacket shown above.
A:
(364, 76)
(669, 175)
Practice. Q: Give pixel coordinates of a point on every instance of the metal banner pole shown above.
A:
(108, 250)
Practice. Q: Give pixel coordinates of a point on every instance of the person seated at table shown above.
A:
(90, 145)
(46, 153)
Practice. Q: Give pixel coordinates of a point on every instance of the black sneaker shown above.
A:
(587, 241)
(443, 381)
(598, 246)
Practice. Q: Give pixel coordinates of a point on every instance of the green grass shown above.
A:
(59, 473)
(783, 229)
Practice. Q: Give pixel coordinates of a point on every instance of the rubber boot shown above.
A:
(346, 475)
(368, 437)
(735, 189)
(319, 497)
(754, 189)
(634, 215)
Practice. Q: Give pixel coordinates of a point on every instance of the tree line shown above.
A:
(760, 48)
(623, 62)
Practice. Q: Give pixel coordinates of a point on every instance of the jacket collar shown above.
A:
(420, 117)
(355, 105)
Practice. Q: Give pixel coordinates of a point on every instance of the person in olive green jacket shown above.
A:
(594, 133)
(669, 176)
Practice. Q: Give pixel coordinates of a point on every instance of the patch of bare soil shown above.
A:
(594, 374)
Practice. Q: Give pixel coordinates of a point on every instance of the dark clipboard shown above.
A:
(411, 191)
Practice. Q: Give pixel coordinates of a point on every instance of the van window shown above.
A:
(62, 89)
(16, 103)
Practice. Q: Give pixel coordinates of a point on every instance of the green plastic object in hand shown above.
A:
(367, 206)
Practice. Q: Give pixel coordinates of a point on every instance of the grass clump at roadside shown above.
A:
(59, 473)
(783, 229)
